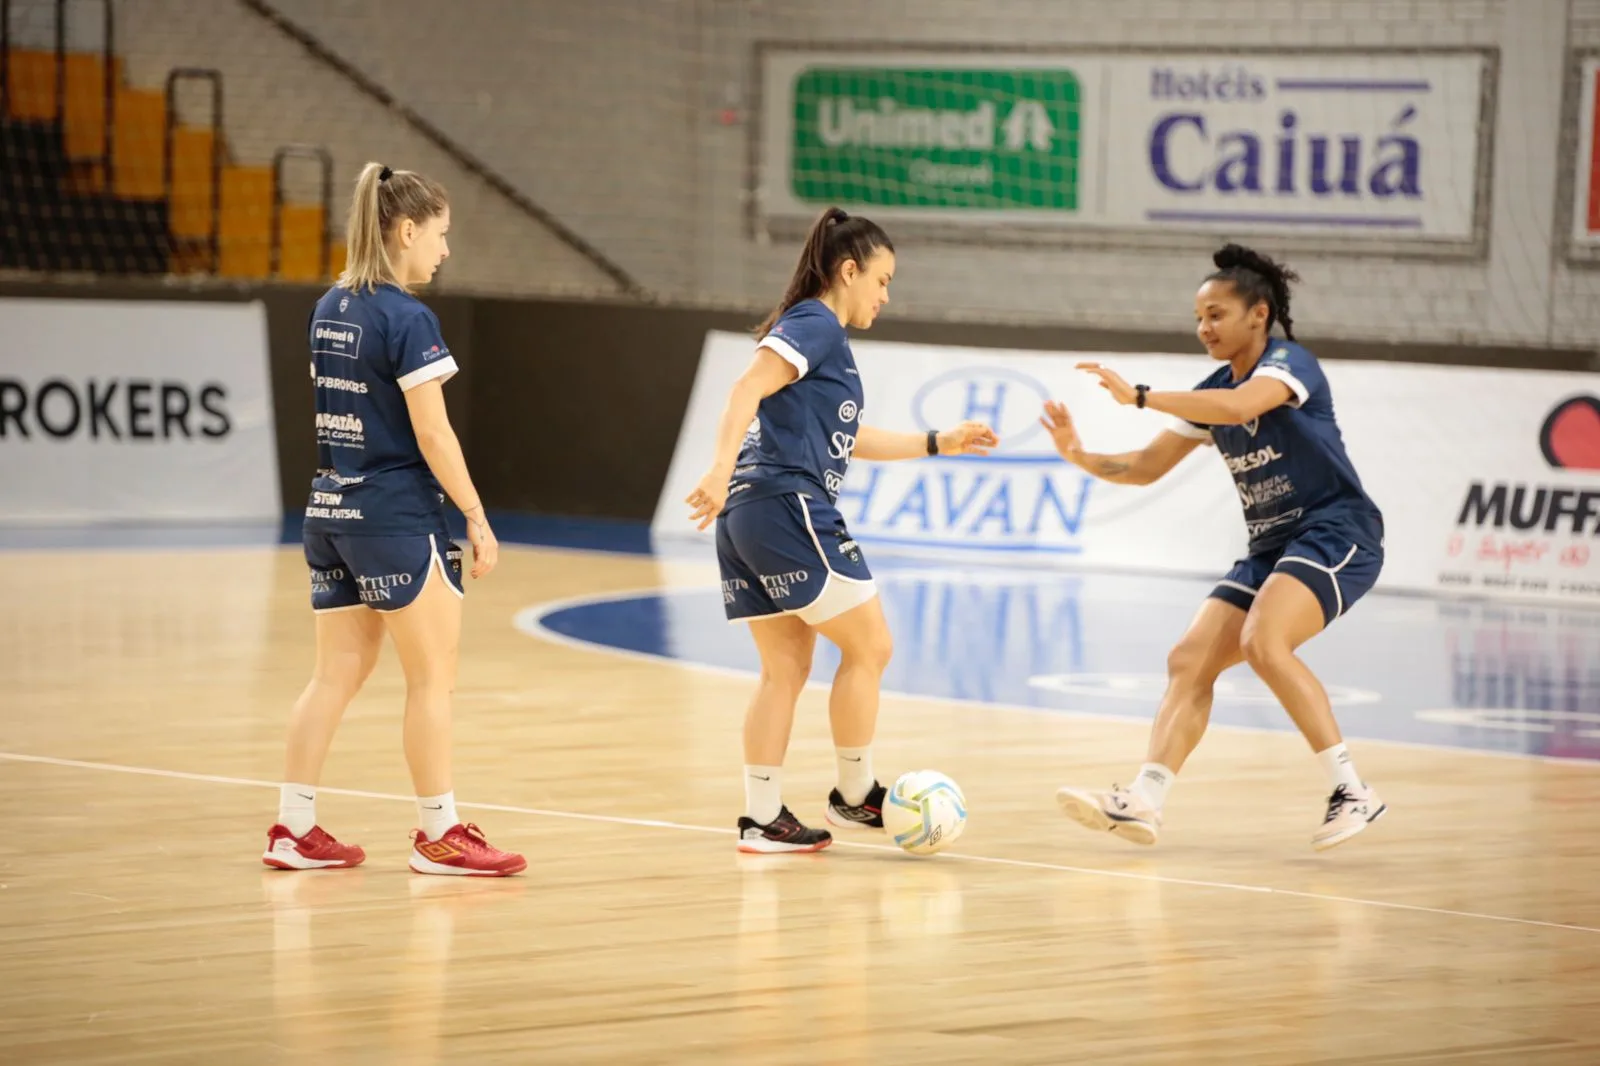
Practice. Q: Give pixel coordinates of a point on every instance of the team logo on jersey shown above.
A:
(1570, 435)
(848, 411)
(848, 547)
(344, 304)
(1251, 426)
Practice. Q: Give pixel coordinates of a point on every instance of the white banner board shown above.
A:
(1489, 480)
(148, 411)
(1379, 145)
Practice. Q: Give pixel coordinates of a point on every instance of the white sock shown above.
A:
(763, 793)
(438, 814)
(855, 773)
(1152, 784)
(1340, 768)
(297, 808)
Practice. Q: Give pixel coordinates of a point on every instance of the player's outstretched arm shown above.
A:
(887, 445)
(1148, 464)
(1209, 407)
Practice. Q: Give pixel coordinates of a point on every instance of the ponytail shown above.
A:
(834, 238)
(382, 198)
(1257, 279)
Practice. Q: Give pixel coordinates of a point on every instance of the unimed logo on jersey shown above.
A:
(113, 409)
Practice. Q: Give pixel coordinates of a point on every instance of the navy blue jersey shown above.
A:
(803, 434)
(367, 349)
(1290, 464)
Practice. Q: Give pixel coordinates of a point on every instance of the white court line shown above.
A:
(530, 620)
(649, 823)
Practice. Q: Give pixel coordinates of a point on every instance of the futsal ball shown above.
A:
(924, 812)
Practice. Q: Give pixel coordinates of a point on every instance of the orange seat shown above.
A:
(300, 243)
(246, 227)
(138, 161)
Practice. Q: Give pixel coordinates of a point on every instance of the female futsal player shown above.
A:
(790, 428)
(1316, 539)
(375, 535)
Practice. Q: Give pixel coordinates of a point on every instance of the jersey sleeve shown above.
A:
(1296, 368)
(1193, 430)
(420, 354)
(802, 340)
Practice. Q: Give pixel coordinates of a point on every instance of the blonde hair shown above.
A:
(383, 197)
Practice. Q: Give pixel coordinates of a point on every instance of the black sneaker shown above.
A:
(783, 833)
(868, 814)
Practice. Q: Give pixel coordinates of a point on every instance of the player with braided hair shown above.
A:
(1316, 539)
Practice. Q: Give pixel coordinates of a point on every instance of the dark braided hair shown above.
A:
(834, 237)
(1257, 279)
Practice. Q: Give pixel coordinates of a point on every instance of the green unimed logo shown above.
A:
(955, 139)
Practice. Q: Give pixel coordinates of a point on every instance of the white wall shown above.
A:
(606, 112)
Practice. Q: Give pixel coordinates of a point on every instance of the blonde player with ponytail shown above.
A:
(380, 557)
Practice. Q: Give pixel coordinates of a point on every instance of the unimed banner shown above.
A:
(1369, 146)
(1489, 480)
(135, 412)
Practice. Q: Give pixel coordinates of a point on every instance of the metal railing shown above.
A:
(107, 77)
(174, 77)
(320, 155)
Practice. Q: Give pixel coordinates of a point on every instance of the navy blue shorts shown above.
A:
(1339, 559)
(789, 554)
(384, 573)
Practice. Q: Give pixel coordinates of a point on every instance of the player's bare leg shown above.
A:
(1286, 615)
(786, 645)
(348, 643)
(865, 648)
(427, 636)
(1210, 646)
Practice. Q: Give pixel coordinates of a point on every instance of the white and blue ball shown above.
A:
(924, 812)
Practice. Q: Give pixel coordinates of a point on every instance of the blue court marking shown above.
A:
(1511, 680)
(544, 531)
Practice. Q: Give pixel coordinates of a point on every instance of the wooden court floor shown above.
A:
(140, 742)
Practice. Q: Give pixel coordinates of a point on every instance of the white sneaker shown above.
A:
(1121, 812)
(1350, 810)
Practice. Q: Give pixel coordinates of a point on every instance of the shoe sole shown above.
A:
(778, 847)
(1340, 838)
(1089, 814)
(277, 863)
(420, 865)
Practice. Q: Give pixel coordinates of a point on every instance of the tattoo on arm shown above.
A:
(1109, 466)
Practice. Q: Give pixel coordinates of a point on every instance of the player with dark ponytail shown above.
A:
(789, 566)
(1316, 539)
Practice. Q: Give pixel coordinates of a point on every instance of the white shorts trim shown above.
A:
(438, 560)
(1331, 571)
(1237, 586)
(839, 593)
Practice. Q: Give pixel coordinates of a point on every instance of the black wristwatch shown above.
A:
(933, 442)
(1140, 390)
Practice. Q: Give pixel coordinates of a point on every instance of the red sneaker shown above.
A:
(462, 851)
(314, 851)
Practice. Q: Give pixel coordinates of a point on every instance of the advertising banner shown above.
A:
(149, 411)
(1489, 480)
(1384, 144)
